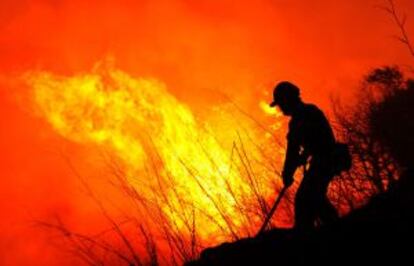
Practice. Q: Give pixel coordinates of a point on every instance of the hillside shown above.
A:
(380, 232)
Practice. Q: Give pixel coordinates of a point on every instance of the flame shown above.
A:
(269, 110)
(156, 137)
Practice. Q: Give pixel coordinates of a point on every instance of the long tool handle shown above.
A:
(270, 214)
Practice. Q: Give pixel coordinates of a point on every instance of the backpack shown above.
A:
(342, 159)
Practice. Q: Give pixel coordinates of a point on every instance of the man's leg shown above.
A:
(327, 212)
(305, 206)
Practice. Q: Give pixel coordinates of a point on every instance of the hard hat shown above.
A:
(284, 90)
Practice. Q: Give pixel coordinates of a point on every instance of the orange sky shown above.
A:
(194, 47)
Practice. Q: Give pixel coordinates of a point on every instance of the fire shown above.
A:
(160, 143)
(269, 110)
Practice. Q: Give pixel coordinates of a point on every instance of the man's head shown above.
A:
(286, 96)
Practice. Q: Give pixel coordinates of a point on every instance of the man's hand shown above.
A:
(287, 180)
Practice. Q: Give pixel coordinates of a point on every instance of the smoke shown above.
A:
(197, 47)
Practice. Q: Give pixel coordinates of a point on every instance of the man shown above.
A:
(310, 140)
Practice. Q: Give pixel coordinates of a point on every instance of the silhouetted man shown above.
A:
(310, 139)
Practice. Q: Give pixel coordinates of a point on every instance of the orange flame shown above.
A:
(147, 127)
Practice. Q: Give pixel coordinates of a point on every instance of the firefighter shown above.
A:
(310, 142)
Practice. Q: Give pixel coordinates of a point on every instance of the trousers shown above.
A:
(311, 201)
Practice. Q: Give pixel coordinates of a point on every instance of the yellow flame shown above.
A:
(146, 127)
(269, 110)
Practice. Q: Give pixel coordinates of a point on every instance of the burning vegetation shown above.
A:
(183, 184)
(190, 186)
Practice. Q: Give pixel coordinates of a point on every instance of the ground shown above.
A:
(380, 232)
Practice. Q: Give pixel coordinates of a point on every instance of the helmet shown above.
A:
(283, 91)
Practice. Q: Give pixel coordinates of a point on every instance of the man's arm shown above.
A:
(292, 156)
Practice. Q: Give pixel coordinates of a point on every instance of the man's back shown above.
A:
(311, 130)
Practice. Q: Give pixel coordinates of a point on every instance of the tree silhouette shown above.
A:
(377, 126)
(391, 120)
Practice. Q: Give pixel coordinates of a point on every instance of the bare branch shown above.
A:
(400, 21)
